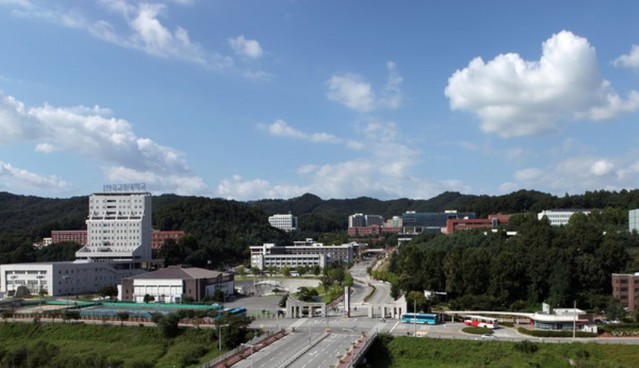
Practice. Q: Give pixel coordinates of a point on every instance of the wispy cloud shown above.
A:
(279, 128)
(93, 133)
(353, 91)
(514, 97)
(15, 179)
(140, 26)
(245, 47)
(384, 169)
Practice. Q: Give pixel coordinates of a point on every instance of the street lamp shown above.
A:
(250, 346)
(219, 336)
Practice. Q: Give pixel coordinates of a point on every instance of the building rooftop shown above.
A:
(179, 272)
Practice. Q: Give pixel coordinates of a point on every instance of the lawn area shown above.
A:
(70, 344)
(408, 352)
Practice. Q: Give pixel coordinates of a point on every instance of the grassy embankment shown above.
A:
(123, 346)
(408, 352)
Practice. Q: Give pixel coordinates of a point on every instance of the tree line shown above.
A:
(486, 270)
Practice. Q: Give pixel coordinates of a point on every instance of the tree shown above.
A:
(169, 325)
(286, 271)
(109, 291)
(123, 316)
(148, 298)
(614, 310)
(218, 295)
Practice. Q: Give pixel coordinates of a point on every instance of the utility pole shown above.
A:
(414, 317)
(574, 320)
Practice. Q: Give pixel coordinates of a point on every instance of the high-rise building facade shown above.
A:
(118, 226)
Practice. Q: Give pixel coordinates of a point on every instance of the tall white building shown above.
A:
(118, 243)
(284, 222)
(560, 217)
(118, 225)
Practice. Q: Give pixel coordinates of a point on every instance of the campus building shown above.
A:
(417, 222)
(173, 283)
(625, 287)
(301, 253)
(559, 319)
(284, 222)
(491, 222)
(64, 278)
(633, 220)
(118, 243)
(80, 236)
(559, 217)
(118, 226)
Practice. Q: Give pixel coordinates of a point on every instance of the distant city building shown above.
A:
(118, 226)
(362, 220)
(173, 283)
(301, 253)
(417, 222)
(492, 222)
(625, 287)
(360, 224)
(559, 217)
(633, 220)
(395, 221)
(284, 222)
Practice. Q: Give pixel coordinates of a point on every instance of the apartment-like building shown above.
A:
(625, 287)
(286, 222)
(560, 217)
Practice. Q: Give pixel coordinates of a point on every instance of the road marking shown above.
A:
(395, 325)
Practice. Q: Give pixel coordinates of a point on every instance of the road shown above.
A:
(309, 345)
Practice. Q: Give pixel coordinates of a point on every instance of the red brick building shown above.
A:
(491, 222)
(80, 236)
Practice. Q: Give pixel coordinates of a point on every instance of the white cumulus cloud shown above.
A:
(280, 128)
(515, 97)
(630, 60)
(93, 133)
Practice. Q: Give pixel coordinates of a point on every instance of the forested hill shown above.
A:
(222, 228)
(328, 215)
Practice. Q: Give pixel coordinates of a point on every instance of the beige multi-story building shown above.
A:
(625, 287)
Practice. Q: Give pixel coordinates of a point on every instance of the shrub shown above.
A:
(526, 347)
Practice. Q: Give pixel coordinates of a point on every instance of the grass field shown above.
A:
(409, 352)
(126, 346)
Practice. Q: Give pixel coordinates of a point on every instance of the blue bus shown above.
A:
(421, 318)
(232, 312)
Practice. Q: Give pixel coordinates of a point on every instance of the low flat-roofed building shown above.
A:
(559, 319)
(173, 283)
(559, 217)
(301, 253)
(65, 278)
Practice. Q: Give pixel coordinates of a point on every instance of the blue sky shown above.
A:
(275, 98)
